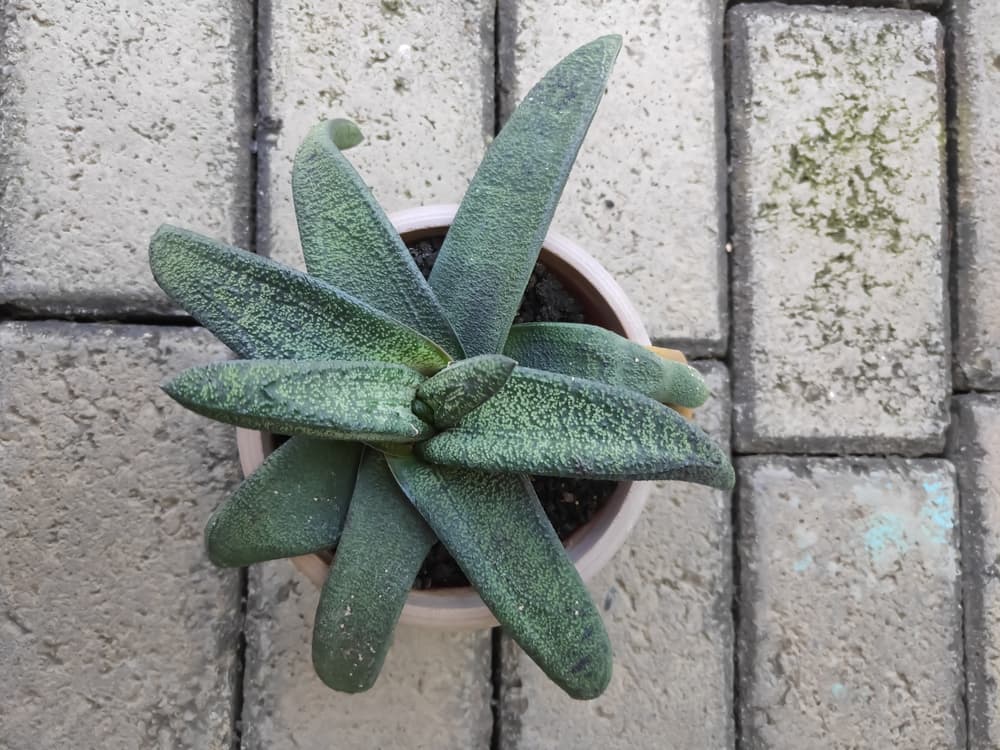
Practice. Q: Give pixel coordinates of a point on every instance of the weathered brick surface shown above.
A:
(116, 631)
(850, 619)
(417, 77)
(666, 602)
(114, 118)
(433, 693)
(841, 331)
(930, 5)
(977, 346)
(975, 449)
(647, 194)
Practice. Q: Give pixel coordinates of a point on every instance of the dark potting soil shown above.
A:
(569, 503)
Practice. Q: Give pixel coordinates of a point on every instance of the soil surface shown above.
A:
(569, 503)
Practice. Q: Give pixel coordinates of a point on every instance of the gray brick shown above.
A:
(841, 328)
(117, 632)
(117, 117)
(666, 599)
(975, 449)
(977, 345)
(929, 5)
(646, 196)
(417, 77)
(850, 618)
(433, 693)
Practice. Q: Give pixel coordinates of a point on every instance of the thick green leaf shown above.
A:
(294, 504)
(594, 353)
(263, 310)
(498, 533)
(556, 425)
(330, 400)
(491, 248)
(463, 386)
(383, 544)
(344, 133)
(349, 242)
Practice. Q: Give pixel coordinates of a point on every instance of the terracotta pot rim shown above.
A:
(592, 545)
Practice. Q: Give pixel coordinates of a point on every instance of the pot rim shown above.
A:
(591, 546)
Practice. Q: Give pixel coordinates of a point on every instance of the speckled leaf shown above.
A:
(349, 242)
(585, 351)
(556, 425)
(343, 133)
(497, 531)
(463, 386)
(491, 248)
(383, 544)
(261, 309)
(294, 504)
(330, 400)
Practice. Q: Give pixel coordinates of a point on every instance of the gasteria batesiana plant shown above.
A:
(416, 408)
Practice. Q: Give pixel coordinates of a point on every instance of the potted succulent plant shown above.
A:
(416, 411)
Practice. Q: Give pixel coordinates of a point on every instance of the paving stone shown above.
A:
(850, 616)
(929, 5)
(117, 117)
(433, 693)
(975, 449)
(415, 75)
(666, 600)
(647, 194)
(839, 282)
(977, 344)
(117, 632)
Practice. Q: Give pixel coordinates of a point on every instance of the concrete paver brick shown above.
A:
(841, 327)
(975, 449)
(647, 194)
(415, 75)
(977, 276)
(434, 690)
(115, 118)
(850, 629)
(928, 5)
(666, 601)
(117, 631)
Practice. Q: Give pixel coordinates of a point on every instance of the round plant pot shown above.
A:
(592, 545)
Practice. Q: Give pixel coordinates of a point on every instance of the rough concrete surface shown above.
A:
(850, 619)
(666, 602)
(928, 5)
(415, 75)
(975, 449)
(977, 276)
(116, 630)
(647, 194)
(841, 328)
(433, 693)
(116, 118)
